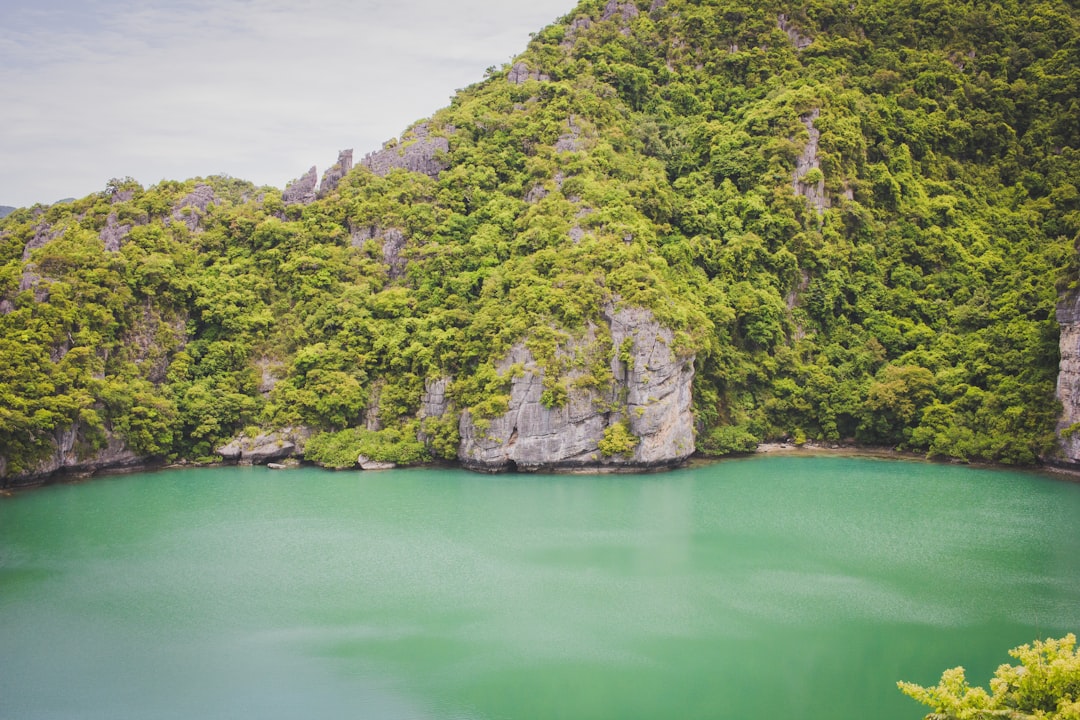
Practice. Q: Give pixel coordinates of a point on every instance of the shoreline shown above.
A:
(1070, 472)
(807, 449)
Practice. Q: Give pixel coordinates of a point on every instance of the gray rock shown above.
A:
(536, 193)
(30, 280)
(121, 196)
(393, 243)
(334, 175)
(1068, 383)
(520, 73)
(67, 459)
(622, 12)
(807, 161)
(191, 209)
(43, 235)
(577, 26)
(798, 40)
(570, 141)
(435, 402)
(367, 463)
(302, 190)
(421, 153)
(113, 234)
(266, 447)
(650, 390)
(626, 11)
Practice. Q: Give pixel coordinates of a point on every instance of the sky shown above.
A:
(256, 89)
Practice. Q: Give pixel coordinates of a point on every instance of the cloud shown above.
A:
(257, 89)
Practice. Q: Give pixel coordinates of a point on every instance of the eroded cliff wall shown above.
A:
(1068, 384)
(648, 393)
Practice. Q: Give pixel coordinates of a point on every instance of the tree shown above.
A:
(1046, 684)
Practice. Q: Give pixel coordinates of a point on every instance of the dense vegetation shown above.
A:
(1046, 684)
(657, 156)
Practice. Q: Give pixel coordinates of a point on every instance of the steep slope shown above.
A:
(845, 220)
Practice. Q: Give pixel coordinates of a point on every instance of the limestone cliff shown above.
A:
(648, 392)
(418, 151)
(265, 447)
(69, 456)
(1068, 384)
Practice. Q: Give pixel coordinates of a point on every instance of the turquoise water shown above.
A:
(769, 587)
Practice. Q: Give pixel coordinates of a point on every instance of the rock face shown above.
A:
(435, 401)
(68, 459)
(520, 72)
(193, 206)
(625, 11)
(1068, 384)
(339, 170)
(798, 40)
(113, 234)
(393, 242)
(650, 393)
(810, 188)
(366, 463)
(420, 153)
(265, 448)
(43, 235)
(302, 190)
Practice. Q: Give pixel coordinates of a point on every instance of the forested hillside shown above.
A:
(854, 218)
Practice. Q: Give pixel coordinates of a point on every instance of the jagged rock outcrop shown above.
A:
(649, 393)
(393, 243)
(435, 402)
(302, 190)
(69, 457)
(808, 179)
(114, 232)
(191, 209)
(570, 141)
(366, 463)
(520, 72)
(336, 172)
(578, 25)
(418, 151)
(266, 447)
(1068, 384)
(621, 12)
(798, 40)
(31, 280)
(43, 235)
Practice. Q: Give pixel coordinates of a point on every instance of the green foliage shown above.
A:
(618, 440)
(1046, 684)
(341, 449)
(657, 167)
(728, 439)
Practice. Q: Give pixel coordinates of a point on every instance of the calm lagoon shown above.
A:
(766, 587)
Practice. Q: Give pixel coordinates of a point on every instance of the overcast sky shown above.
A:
(257, 89)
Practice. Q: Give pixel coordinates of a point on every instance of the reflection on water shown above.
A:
(765, 587)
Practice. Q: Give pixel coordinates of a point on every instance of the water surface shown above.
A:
(760, 588)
